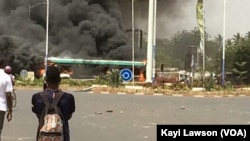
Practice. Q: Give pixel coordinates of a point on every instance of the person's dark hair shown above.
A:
(53, 75)
(1, 62)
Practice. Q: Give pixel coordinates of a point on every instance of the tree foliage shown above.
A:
(239, 71)
(173, 52)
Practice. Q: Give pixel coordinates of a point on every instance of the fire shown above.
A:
(141, 77)
(63, 69)
(51, 64)
(41, 71)
(67, 71)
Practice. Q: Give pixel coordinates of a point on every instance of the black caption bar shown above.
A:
(203, 132)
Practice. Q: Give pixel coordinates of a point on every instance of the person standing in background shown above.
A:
(6, 89)
(66, 103)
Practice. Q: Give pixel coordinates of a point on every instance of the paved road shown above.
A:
(134, 118)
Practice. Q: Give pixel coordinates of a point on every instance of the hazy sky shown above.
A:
(237, 17)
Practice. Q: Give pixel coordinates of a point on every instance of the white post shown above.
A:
(133, 41)
(154, 40)
(47, 36)
(224, 44)
(149, 66)
(203, 44)
(47, 43)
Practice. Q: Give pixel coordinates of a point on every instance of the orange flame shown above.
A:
(41, 71)
(67, 71)
(141, 77)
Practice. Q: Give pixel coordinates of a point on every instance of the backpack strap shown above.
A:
(44, 111)
(46, 103)
(57, 98)
(47, 106)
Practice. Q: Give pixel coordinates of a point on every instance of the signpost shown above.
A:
(24, 74)
(126, 75)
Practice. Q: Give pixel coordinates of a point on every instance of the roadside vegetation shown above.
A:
(112, 83)
(172, 53)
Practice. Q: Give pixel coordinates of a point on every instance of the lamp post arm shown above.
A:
(32, 6)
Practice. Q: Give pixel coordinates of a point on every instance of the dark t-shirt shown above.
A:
(66, 105)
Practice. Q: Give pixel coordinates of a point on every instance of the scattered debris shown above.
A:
(145, 137)
(87, 89)
(98, 112)
(109, 111)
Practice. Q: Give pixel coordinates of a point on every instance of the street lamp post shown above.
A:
(149, 67)
(224, 44)
(154, 41)
(47, 42)
(35, 5)
(133, 41)
(139, 21)
(47, 35)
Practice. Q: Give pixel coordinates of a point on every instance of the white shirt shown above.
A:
(5, 86)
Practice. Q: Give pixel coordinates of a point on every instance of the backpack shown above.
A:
(51, 122)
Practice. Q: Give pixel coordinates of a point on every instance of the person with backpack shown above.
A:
(53, 108)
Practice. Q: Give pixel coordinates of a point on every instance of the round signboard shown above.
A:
(24, 74)
(126, 74)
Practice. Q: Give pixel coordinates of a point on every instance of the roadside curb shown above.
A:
(88, 90)
(173, 95)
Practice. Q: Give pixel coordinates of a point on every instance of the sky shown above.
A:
(237, 17)
(177, 15)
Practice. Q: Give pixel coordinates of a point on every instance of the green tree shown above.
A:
(247, 36)
(237, 39)
(242, 55)
(214, 54)
(219, 41)
(182, 40)
(163, 51)
(239, 71)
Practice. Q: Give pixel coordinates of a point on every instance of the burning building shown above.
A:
(77, 29)
(90, 29)
(66, 70)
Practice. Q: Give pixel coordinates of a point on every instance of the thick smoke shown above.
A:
(77, 29)
(170, 15)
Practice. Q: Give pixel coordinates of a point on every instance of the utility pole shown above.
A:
(47, 44)
(133, 41)
(154, 41)
(224, 44)
(149, 67)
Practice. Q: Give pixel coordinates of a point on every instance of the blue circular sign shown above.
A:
(126, 74)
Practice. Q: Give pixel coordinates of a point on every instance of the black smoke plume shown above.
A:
(77, 29)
